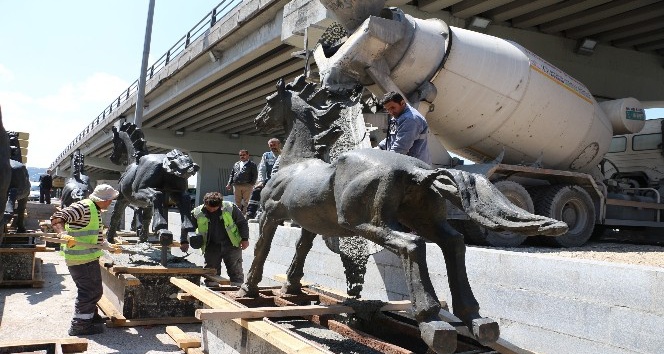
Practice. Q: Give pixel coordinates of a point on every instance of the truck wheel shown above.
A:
(516, 194)
(573, 205)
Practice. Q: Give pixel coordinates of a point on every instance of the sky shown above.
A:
(63, 62)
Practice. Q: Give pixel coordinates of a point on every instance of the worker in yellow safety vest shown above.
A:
(223, 232)
(81, 223)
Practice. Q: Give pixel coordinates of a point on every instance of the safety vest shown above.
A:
(226, 215)
(88, 234)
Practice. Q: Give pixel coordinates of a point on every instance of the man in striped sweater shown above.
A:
(81, 222)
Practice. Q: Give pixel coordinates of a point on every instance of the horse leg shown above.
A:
(9, 207)
(116, 217)
(160, 217)
(295, 271)
(439, 335)
(145, 216)
(20, 215)
(267, 226)
(187, 228)
(464, 304)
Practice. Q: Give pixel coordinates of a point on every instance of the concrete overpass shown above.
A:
(202, 95)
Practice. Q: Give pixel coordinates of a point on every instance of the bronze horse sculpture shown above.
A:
(148, 182)
(19, 186)
(5, 172)
(77, 186)
(381, 196)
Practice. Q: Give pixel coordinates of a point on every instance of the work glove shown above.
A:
(71, 241)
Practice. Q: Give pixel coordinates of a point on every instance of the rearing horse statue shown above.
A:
(77, 186)
(381, 196)
(147, 183)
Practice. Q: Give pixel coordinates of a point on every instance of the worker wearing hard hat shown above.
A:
(407, 129)
(81, 223)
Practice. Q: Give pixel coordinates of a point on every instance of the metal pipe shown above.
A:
(138, 118)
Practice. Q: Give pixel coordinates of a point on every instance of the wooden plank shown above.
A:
(281, 338)
(68, 345)
(219, 279)
(289, 311)
(182, 339)
(110, 311)
(194, 351)
(129, 280)
(162, 270)
(154, 321)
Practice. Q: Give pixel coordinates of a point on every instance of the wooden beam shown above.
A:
(162, 270)
(182, 339)
(276, 335)
(154, 321)
(219, 279)
(129, 279)
(109, 310)
(289, 311)
(68, 345)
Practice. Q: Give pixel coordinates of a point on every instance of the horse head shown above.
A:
(177, 163)
(276, 111)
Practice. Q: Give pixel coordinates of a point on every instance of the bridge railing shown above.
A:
(223, 8)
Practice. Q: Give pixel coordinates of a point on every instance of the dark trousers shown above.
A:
(254, 202)
(44, 195)
(232, 258)
(87, 278)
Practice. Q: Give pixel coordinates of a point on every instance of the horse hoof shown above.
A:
(246, 292)
(486, 330)
(440, 336)
(289, 289)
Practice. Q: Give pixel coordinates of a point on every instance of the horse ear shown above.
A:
(281, 85)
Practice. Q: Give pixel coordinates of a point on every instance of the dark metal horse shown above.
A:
(381, 196)
(148, 182)
(5, 172)
(19, 186)
(77, 186)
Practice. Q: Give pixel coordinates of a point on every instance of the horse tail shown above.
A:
(486, 205)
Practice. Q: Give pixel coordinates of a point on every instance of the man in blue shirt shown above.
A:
(407, 129)
(265, 169)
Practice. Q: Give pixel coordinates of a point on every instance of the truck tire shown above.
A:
(516, 194)
(571, 204)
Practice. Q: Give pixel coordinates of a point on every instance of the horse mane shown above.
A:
(137, 139)
(14, 147)
(77, 162)
(324, 114)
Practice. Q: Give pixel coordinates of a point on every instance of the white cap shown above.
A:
(103, 192)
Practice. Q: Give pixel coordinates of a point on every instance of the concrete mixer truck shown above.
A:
(538, 134)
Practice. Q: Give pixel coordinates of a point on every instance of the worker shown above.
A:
(225, 233)
(264, 173)
(242, 179)
(81, 222)
(407, 129)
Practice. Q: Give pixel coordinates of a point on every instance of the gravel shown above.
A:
(645, 255)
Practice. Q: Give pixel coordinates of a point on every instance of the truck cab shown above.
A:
(638, 159)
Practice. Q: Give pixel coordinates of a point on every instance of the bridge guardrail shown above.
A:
(223, 8)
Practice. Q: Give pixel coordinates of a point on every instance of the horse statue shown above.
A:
(5, 172)
(393, 200)
(19, 186)
(148, 182)
(77, 186)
